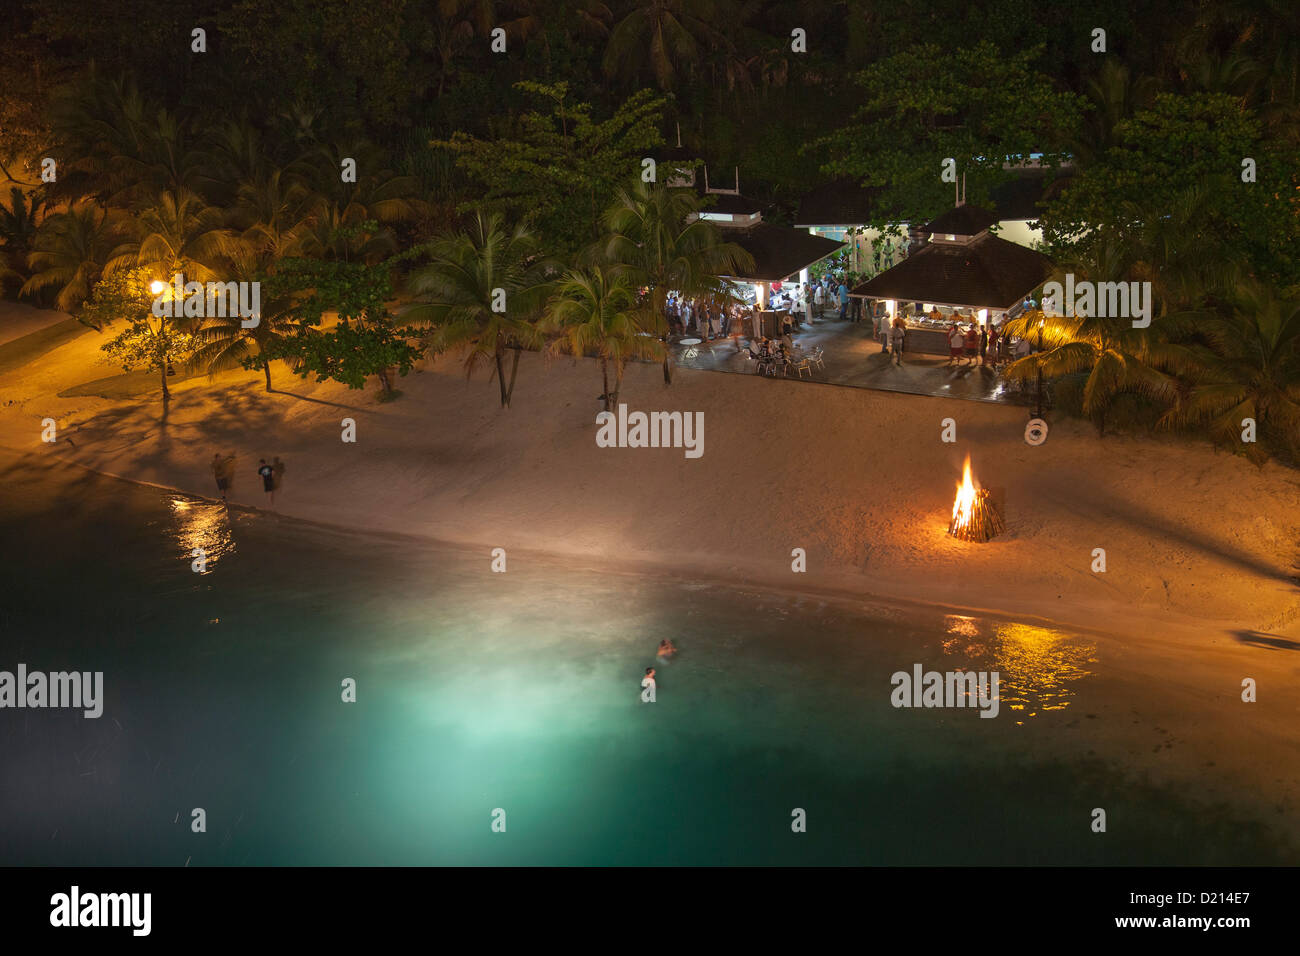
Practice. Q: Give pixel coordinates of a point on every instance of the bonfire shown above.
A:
(974, 518)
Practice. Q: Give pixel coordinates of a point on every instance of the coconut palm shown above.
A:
(274, 214)
(1243, 362)
(224, 342)
(482, 288)
(19, 223)
(352, 221)
(656, 240)
(662, 37)
(1113, 356)
(179, 232)
(236, 156)
(1181, 248)
(596, 310)
(115, 144)
(71, 251)
(1115, 94)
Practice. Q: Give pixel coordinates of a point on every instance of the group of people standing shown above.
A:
(704, 317)
(974, 340)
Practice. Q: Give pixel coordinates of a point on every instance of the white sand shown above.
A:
(859, 479)
(17, 319)
(1200, 545)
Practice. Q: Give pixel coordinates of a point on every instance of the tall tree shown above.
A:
(969, 110)
(1243, 363)
(482, 291)
(71, 251)
(594, 311)
(661, 39)
(563, 165)
(657, 240)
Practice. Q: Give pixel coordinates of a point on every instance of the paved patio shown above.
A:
(854, 358)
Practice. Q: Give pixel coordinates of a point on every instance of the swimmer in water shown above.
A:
(666, 650)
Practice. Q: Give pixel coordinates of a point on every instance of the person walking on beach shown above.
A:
(268, 481)
(221, 470)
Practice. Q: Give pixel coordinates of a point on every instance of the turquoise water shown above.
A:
(520, 691)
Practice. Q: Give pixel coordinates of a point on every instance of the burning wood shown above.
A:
(974, 518)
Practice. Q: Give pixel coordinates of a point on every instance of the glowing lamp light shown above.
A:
(157, 286)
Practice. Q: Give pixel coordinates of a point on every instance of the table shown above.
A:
(691, 350)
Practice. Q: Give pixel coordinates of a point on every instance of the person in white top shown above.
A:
(648, 686)
(819, 299)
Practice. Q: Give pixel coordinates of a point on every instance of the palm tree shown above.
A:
(657, 240)
(19, 222)
(1115, 94)
(179, 232)
(117, 145)
(595, 310)
(1244, 362)
(275, 215)
(1115, 357)
(659, 37)
(482, 289)
(224, 341)
(1180, 248)
(71, 251)
(343, 213)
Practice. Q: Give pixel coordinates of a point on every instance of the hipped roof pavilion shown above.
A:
(843, 203)
(962, 266)
(778, 251)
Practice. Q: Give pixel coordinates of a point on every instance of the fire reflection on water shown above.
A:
(1037, 666)
(198, 525)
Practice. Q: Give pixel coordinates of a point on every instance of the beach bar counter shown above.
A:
(962, 273)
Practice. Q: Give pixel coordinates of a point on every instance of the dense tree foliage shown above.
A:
(350, 155)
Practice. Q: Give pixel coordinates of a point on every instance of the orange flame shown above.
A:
(963, 507)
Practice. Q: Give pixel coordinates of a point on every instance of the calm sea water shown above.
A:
(520, 691)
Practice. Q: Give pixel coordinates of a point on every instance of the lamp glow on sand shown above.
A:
(974, 518)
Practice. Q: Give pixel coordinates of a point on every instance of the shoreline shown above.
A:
(1147, 692)
(1195, 540)
(667, 569)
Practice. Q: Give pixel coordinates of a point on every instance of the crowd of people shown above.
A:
(706, 318)
(968, 340)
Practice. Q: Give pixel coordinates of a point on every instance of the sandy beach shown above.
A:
(860, 480)
(1198, 591)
